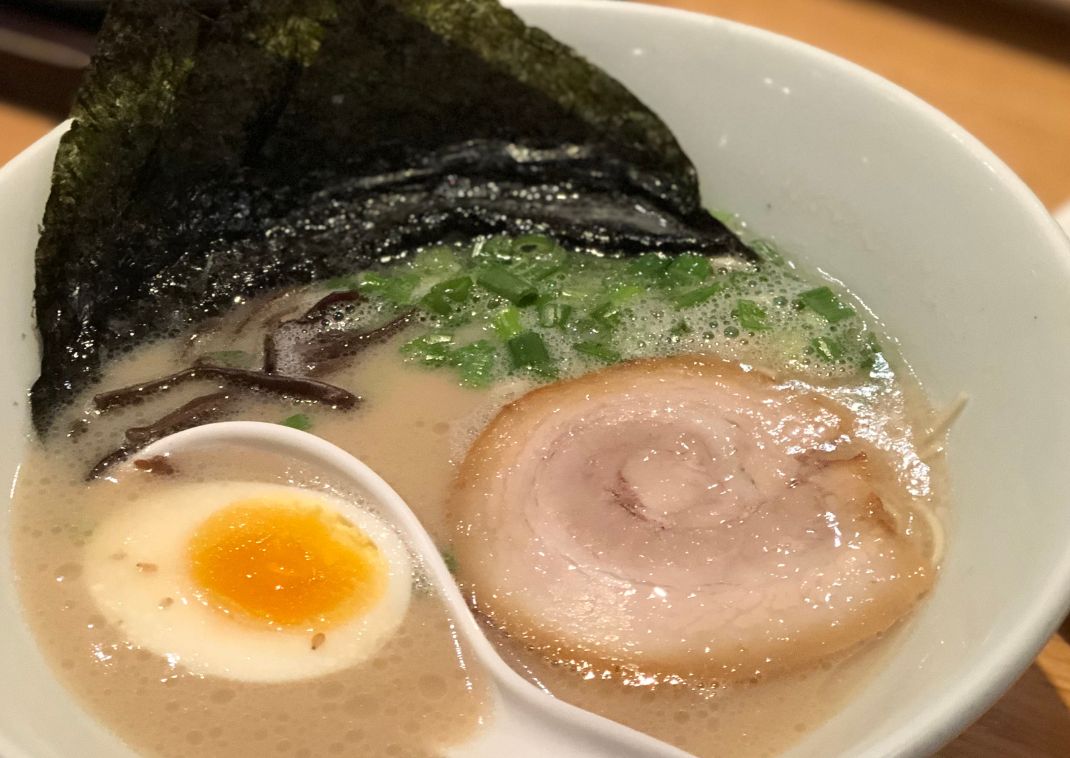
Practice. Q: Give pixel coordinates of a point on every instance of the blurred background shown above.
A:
(1001, 68)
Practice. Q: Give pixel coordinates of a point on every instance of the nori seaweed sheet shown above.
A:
(221, 149)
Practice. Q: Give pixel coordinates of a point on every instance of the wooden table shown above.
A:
(1005, 76)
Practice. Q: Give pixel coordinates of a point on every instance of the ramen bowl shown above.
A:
(853, 176)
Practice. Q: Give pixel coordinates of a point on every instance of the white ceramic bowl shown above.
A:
(851, 175)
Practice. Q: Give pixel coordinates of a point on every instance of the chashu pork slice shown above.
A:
(681, 515)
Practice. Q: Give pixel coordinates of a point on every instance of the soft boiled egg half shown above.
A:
(250, 581)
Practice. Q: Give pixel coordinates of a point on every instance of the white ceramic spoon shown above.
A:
(526, 721)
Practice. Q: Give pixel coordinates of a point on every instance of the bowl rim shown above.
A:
(927, 728)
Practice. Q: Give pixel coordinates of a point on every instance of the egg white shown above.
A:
(156, 532)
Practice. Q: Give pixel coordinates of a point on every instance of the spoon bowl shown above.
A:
(526, 721)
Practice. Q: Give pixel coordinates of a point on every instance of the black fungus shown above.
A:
(298, 387)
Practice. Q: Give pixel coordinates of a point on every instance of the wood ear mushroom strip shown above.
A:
(293, 386)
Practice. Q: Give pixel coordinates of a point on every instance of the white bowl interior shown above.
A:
(849, 174)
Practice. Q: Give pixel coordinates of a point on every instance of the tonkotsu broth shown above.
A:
(412, 428)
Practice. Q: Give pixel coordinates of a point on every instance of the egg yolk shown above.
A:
(286, 563)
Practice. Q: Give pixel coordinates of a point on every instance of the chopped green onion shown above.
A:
(823, 302)
(750, 315)
(534, 244)
(608, 314)
(597, 350)
(537, 257)
(688, 268)
(554, 314)
(536, 270)
(650, 265)
(527, 350)
(697, 296)
(371, 282)
(445, 296)
(300, 421)
(624, 292)
(590, 329)
(449, 559)
(871, 350)
(582, 286)
(439, 259)
(767, 252)
(476, 363)
(430, 349)
(396, 289)
(501, 281)
(495, 248)
(507, 323)
(827, 348)
(590, 299)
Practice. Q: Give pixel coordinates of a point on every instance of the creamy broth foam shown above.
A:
(414, 697)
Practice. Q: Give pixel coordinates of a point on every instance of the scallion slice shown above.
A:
(697, 296)
(688, 268)
(827, 349)
(445, 296)
(503, 282)
(507, 323)
(475, 362)
(823, 302)
(527, 350)
(300, 421)
(750, 315)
